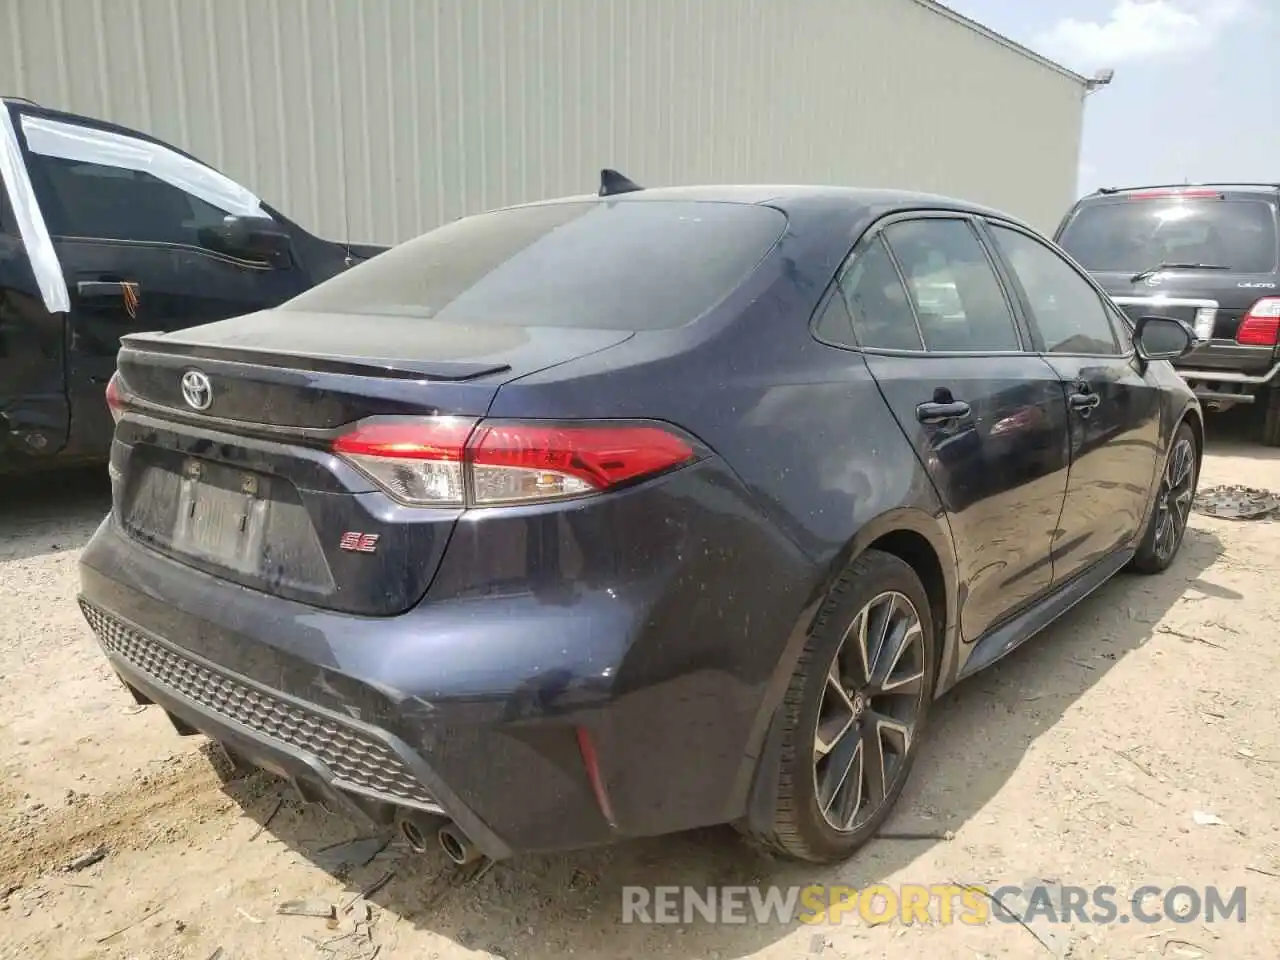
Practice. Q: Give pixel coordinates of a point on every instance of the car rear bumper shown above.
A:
(356, 768)
(536, 720)
(1241, 385)
(1228, 361)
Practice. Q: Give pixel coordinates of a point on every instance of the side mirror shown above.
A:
(253, 238)
(1163, 338)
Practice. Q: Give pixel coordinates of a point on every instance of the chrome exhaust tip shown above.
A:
(418, 832)
(456, 846)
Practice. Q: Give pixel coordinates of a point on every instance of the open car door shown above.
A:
(146, 238)
(34, 415)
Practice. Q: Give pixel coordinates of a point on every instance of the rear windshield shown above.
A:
(1133, 235)
(625, 265)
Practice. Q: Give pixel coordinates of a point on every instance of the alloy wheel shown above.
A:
(1173, 502)
(870, 706)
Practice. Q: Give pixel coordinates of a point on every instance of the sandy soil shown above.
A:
(1081, 759)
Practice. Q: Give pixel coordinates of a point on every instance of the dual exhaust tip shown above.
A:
(422, 833)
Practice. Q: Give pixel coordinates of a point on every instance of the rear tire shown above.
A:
(850, 731)
(1271, 417)
(1171, 511)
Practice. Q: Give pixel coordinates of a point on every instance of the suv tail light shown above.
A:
(1261, 325)
(454, 462)
(115, 397)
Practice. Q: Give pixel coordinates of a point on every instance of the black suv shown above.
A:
(1207, 254)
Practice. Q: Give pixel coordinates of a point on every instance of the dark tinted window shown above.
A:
(1066, 309)
(957, 295)
(834, 325)
(881, 312)
(81, 199)
(629, 265)
(1132, 235)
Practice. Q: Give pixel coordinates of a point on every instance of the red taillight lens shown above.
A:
(115, 398)
(447, 461)
(1261, 325)
(416, 461)
(512, 463)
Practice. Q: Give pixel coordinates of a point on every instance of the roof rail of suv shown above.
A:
(1107, 191)
(6, 97)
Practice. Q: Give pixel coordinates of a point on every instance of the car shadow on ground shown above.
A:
(543, 906)
(1236, 433)
(51, 512)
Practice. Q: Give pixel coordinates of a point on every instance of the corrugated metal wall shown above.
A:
(378, 119)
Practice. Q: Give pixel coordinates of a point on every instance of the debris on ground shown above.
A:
(133, 923)
(370, 890)
(267, 821)
(1203, 819)
(321, 909)
(348, 855)
(1233, 502)
(86, 859)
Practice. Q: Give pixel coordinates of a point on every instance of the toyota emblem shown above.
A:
(197, 390)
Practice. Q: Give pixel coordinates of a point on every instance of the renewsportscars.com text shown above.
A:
(932, 904)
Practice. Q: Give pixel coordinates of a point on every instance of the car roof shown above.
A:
(1224, 188)
(788, 197)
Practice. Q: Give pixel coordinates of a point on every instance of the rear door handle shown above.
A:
(942, 412)
(103, 288)
(1084, 401)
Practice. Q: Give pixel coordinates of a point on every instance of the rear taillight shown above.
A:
(115, 397)
(1261, 324)
(453, 462)
(416, 461)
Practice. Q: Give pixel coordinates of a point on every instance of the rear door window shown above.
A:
(1126, 235)
(957, 295)
(878, 303)
(622, 265)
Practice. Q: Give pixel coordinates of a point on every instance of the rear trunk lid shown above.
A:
(223, 457)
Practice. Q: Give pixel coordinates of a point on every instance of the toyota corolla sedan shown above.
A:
(623, 514)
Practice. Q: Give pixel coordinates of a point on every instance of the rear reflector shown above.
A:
(591, 762)
(452, 462)
(115, 398)
(1261, 325)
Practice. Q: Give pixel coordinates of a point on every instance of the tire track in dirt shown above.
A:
(165, 806)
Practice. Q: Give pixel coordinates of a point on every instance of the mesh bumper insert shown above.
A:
(356, 761)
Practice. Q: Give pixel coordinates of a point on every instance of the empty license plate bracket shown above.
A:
(221, 515)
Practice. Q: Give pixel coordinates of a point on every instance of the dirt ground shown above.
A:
(1082, 759)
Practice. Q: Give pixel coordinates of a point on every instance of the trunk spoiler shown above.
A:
(157, 342)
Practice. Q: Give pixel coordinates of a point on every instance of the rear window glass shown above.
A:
(623, 265)
(1133, 235)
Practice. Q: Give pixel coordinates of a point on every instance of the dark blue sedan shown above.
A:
(618, 515)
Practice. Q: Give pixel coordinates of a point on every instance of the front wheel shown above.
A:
(1172, 509)
(854, 711)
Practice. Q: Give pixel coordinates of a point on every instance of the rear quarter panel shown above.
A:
(823, 467)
